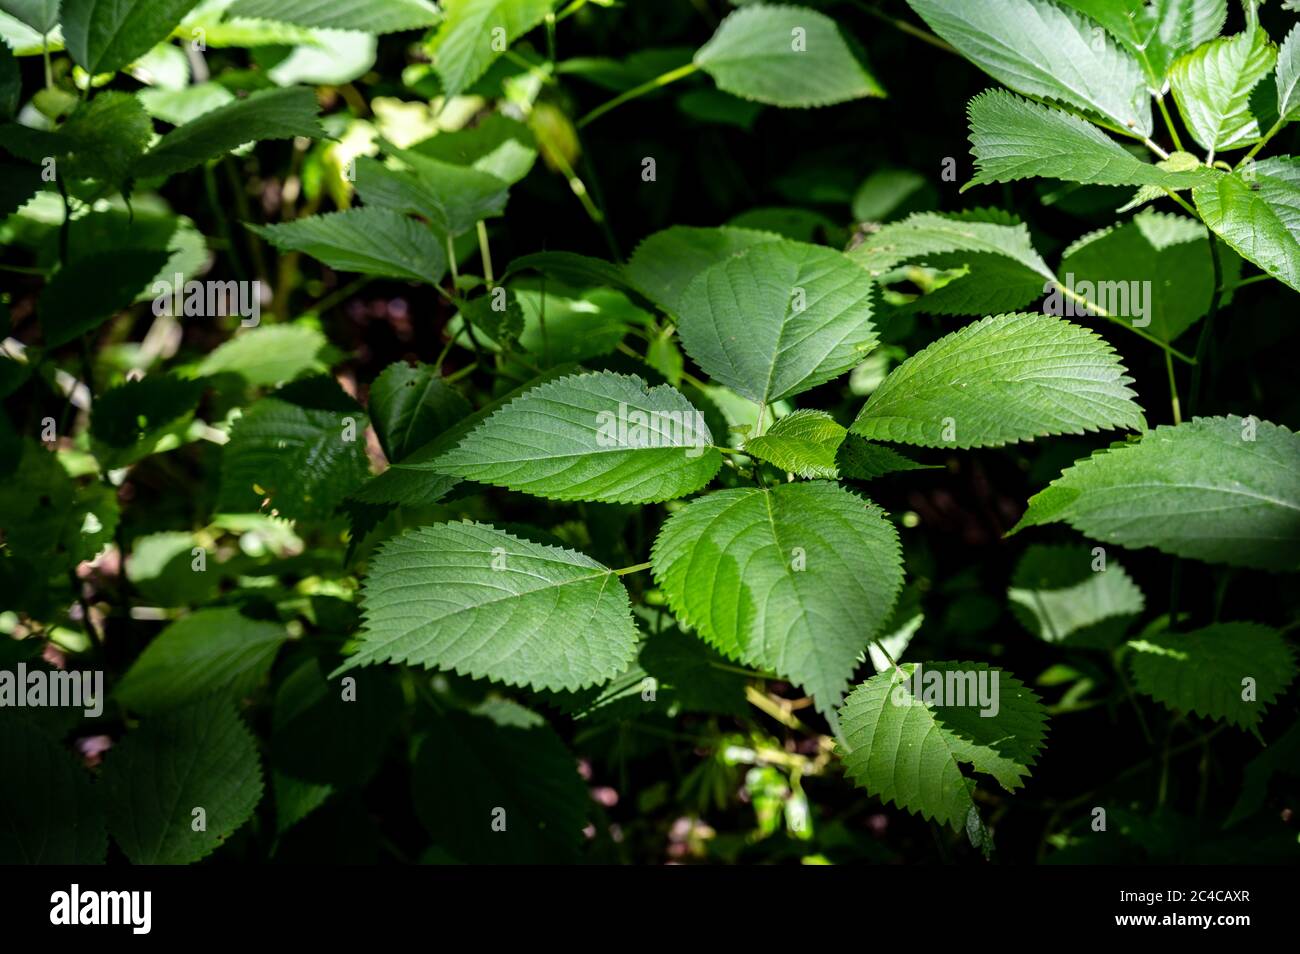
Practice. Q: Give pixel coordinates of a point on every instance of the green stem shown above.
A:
(45, 53)
(650, 86)
(1169, 123)
(1096, 309)
(1245, 281)
(485, 251)
(1183, 202)
(1207, 332)
(1173, 390)
(632, 569)
(1261, 144)
(906, 27)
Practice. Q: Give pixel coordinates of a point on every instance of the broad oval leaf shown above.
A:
(484, 603)
(778, 318)
(1074, 595)
(1219, 489)
(269, 114)
(909, 730)
(1005, 379)
(663, 265)
(795, 579)
(1256, 210)
(212, 652)
(785, 56)
(1212, 86)
(599, 436)
(105, 35)
(1171, 253)
(813, 444)
(1203, 671)
(198, 756)
(371, 241)
(473, 33)
(1013, 138)
(1156, 32)
(1040, 49)
(1004, 270)
(411, 405)
(52, 815)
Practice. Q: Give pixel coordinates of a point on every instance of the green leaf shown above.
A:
(572, 269)
(88, 291)
(50, 520)
(497, 145)
(1219, 489)
(812, 444)
(41, 15)
(785, 56)
(105, 35)
(369, 16)
(1158, 32)
(201, 756)
(1288, 77)
(129, 422)
(411, 405)
(213, 652)
(804, 442)
(794, 579)
(486, 604)
(1013, 138)
(1206, 671)
(907, 738)
(1004, 270)
(1041, 49)
(270, 355)
(102, 139)
(778, 319)
(1005, 379)
(268, 114)
(377, 242)
(600, 436)
(474, 33)
(1171, 252)
(52, 816)
(474, 771)
(453, 198)
(302, 450)
(1074, 596)
(333, 733)
(665, 263)
(1212, 87)
(1256, 210)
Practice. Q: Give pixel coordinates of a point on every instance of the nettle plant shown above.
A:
(623, 497)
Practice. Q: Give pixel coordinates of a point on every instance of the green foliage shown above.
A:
(1221, 489)
(1004, 379)
(1228, 671)
(483, 602)
(907, 749)
(785, 56)
(518, 487)
(793, 579)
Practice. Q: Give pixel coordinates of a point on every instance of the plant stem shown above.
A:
(1183, 202)
(1095, 309)
(485, 250)
(1154, 148)
(906, 27)
(1261, 144)
(1245, 281)
(632, 569)
(647, 87)
(1169, 123)
(1173, 389)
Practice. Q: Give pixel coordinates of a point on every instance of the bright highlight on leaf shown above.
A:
(1004, 379)
(794, 579)
(1219, 489)
(600, 436)
(908, 731)
(487, 604)
(785, 56)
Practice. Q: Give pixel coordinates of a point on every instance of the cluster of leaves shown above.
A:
(614, 499)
